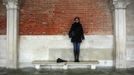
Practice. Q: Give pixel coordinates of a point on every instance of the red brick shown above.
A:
(2, 19)
(54, 17)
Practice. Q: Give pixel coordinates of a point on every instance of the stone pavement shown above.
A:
(32, 71)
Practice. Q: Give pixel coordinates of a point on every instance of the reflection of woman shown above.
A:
(77, 35)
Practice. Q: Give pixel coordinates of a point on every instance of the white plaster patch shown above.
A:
(3, 50)
(37, 47)
(130, 48)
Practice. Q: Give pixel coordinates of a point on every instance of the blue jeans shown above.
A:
(76, 51)
(76, 46)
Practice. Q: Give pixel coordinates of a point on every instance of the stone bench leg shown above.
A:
(93, 66)
(65, 66)
(37, 66)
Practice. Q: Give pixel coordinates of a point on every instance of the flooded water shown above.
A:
(32, 71)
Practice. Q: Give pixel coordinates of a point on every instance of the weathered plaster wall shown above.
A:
(2, 34)
(50, 47)
(43, 22)
(130, 34)
(3, 50)
(55, 46)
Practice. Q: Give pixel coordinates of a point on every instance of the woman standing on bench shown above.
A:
(77, 35)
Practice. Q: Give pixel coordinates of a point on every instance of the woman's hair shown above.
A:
(77, 18)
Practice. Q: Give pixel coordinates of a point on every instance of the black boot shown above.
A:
(75, 57)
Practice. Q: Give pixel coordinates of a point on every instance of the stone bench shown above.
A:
(65, 65)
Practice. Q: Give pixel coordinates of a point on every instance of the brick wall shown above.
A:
(54, 17)
(2, 19)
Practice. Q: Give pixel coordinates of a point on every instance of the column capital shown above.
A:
(11, 4)
(120, 4)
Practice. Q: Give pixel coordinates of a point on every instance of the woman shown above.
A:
(77, 35)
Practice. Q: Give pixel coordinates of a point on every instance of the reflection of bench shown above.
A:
(64, 65)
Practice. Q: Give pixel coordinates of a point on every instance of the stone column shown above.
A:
(12, 33)
(120, 32)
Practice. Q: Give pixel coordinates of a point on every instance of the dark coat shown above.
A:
(76, 33)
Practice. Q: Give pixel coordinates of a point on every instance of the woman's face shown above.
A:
(76, 20)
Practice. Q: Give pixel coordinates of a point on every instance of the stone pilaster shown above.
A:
(120, 32)
(12, 33)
